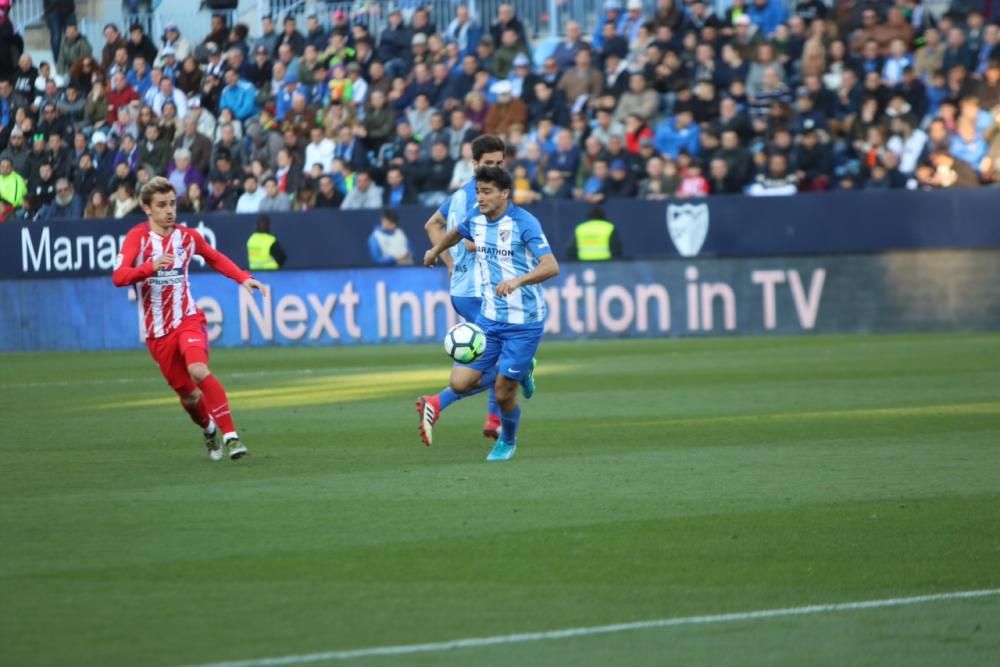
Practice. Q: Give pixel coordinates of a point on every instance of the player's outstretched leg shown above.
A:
(218, 406)
(429, 408)
(428, 411)
(193, 402)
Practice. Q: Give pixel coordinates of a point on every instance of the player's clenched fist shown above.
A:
(163, 262)
(430, 258)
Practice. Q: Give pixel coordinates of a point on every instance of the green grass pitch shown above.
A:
(654, 479)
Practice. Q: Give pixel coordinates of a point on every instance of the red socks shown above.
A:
(214, 398)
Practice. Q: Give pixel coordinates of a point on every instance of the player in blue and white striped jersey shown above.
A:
(487, 151)
(513, 258)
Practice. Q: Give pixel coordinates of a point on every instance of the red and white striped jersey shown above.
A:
(165, 296)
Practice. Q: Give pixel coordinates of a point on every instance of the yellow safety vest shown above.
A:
(259, 252)
(593, 240)
(12, 189)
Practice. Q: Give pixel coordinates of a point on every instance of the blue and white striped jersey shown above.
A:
(505, 248)
(454, 210)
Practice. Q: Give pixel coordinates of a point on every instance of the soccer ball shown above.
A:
(464, 342)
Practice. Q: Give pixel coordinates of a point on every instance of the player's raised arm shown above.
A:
(126, 274)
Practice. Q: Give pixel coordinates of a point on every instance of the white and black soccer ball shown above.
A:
(465, 342)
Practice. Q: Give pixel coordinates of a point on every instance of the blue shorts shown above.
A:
(467, 306)
(513, 345)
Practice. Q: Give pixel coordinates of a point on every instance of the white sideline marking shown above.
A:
(477, 642)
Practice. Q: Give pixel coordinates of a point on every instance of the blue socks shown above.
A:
(486, 383)
(447, 397)
(492, 407)
(510, 421)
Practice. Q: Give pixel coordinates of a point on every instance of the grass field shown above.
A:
(654, 480)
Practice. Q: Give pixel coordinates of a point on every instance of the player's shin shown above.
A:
(218, 405)
(510, 420)
(196, 409)
(447, 396)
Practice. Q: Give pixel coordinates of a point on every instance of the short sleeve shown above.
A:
(533, 236)
(446, 207)
(464, 229)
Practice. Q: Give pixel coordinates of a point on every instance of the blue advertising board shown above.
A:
(723, 226)
(906, 291)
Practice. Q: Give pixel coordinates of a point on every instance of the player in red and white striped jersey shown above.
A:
(155, 259)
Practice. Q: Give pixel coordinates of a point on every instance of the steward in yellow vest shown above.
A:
(263, 250)
(595, 239)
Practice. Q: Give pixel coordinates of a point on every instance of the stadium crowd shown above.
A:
(664, 102)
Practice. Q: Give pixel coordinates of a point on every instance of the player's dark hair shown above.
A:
(486, 143)
(390, 215)
(156, 186)
(497, 176)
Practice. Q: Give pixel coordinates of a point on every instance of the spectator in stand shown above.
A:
(239, 96)
(73, 47)
(556, 186)
(328, 196)
(594, 189)
(957, 52)
(154, 151)
(507, 111)
(124, 200)
(113, 40)
(193, 199)
(950, 172)
(198, 145)
(565, 52)
(640, 100)
(464, 30)
(98, 206)
(250, 200)
(676, 134)
(274, 200)
(506, 20)
(387, 244)
(582, 81)
(268, 35)
(620, 183)
(776, 180)
(396, 191)
(364, 195)
(967, 144)
(320, 150)
(168, 93)
(139, 44)
(813, 161)
(12, 185)
(436, 177)
(218, 35)
(182, 172)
